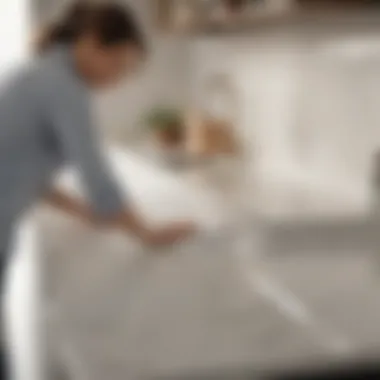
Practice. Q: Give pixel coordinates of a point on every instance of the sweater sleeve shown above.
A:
(70, 118)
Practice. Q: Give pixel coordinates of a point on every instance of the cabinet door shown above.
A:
(338, 117)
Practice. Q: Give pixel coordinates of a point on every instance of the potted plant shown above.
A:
(167, 125)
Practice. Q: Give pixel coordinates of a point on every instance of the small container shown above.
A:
(212, 124)
(166, 126)
(222, 100)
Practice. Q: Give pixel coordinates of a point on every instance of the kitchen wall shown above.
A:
(309, 107)
(307, 99)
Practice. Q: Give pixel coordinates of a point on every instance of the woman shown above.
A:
(45, 123)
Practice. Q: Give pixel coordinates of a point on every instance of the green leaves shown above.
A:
(163, 118)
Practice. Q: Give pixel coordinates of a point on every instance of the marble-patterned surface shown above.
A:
(231, 297)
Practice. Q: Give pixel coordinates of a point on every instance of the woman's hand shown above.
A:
(168, 235)
(128, 221)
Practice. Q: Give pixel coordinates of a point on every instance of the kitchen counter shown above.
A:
(227, 298)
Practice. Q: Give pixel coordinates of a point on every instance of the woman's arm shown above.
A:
(128, 221)
(69, 117)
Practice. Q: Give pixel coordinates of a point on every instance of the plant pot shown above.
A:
(170, 137)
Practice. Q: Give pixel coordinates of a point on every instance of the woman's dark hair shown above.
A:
(111, 22)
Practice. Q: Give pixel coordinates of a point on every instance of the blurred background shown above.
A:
(274, 106)
(302, 76)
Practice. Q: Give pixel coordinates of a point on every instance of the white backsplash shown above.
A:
(309, 109)
(308, 102)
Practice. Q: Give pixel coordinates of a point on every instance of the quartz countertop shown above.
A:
(224, 299)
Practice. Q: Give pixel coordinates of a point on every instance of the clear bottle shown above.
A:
(221, 97)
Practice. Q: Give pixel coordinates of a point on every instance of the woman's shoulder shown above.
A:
(55, 78)
(51, 72)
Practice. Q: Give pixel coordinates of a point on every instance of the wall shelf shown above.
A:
(203, 17)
